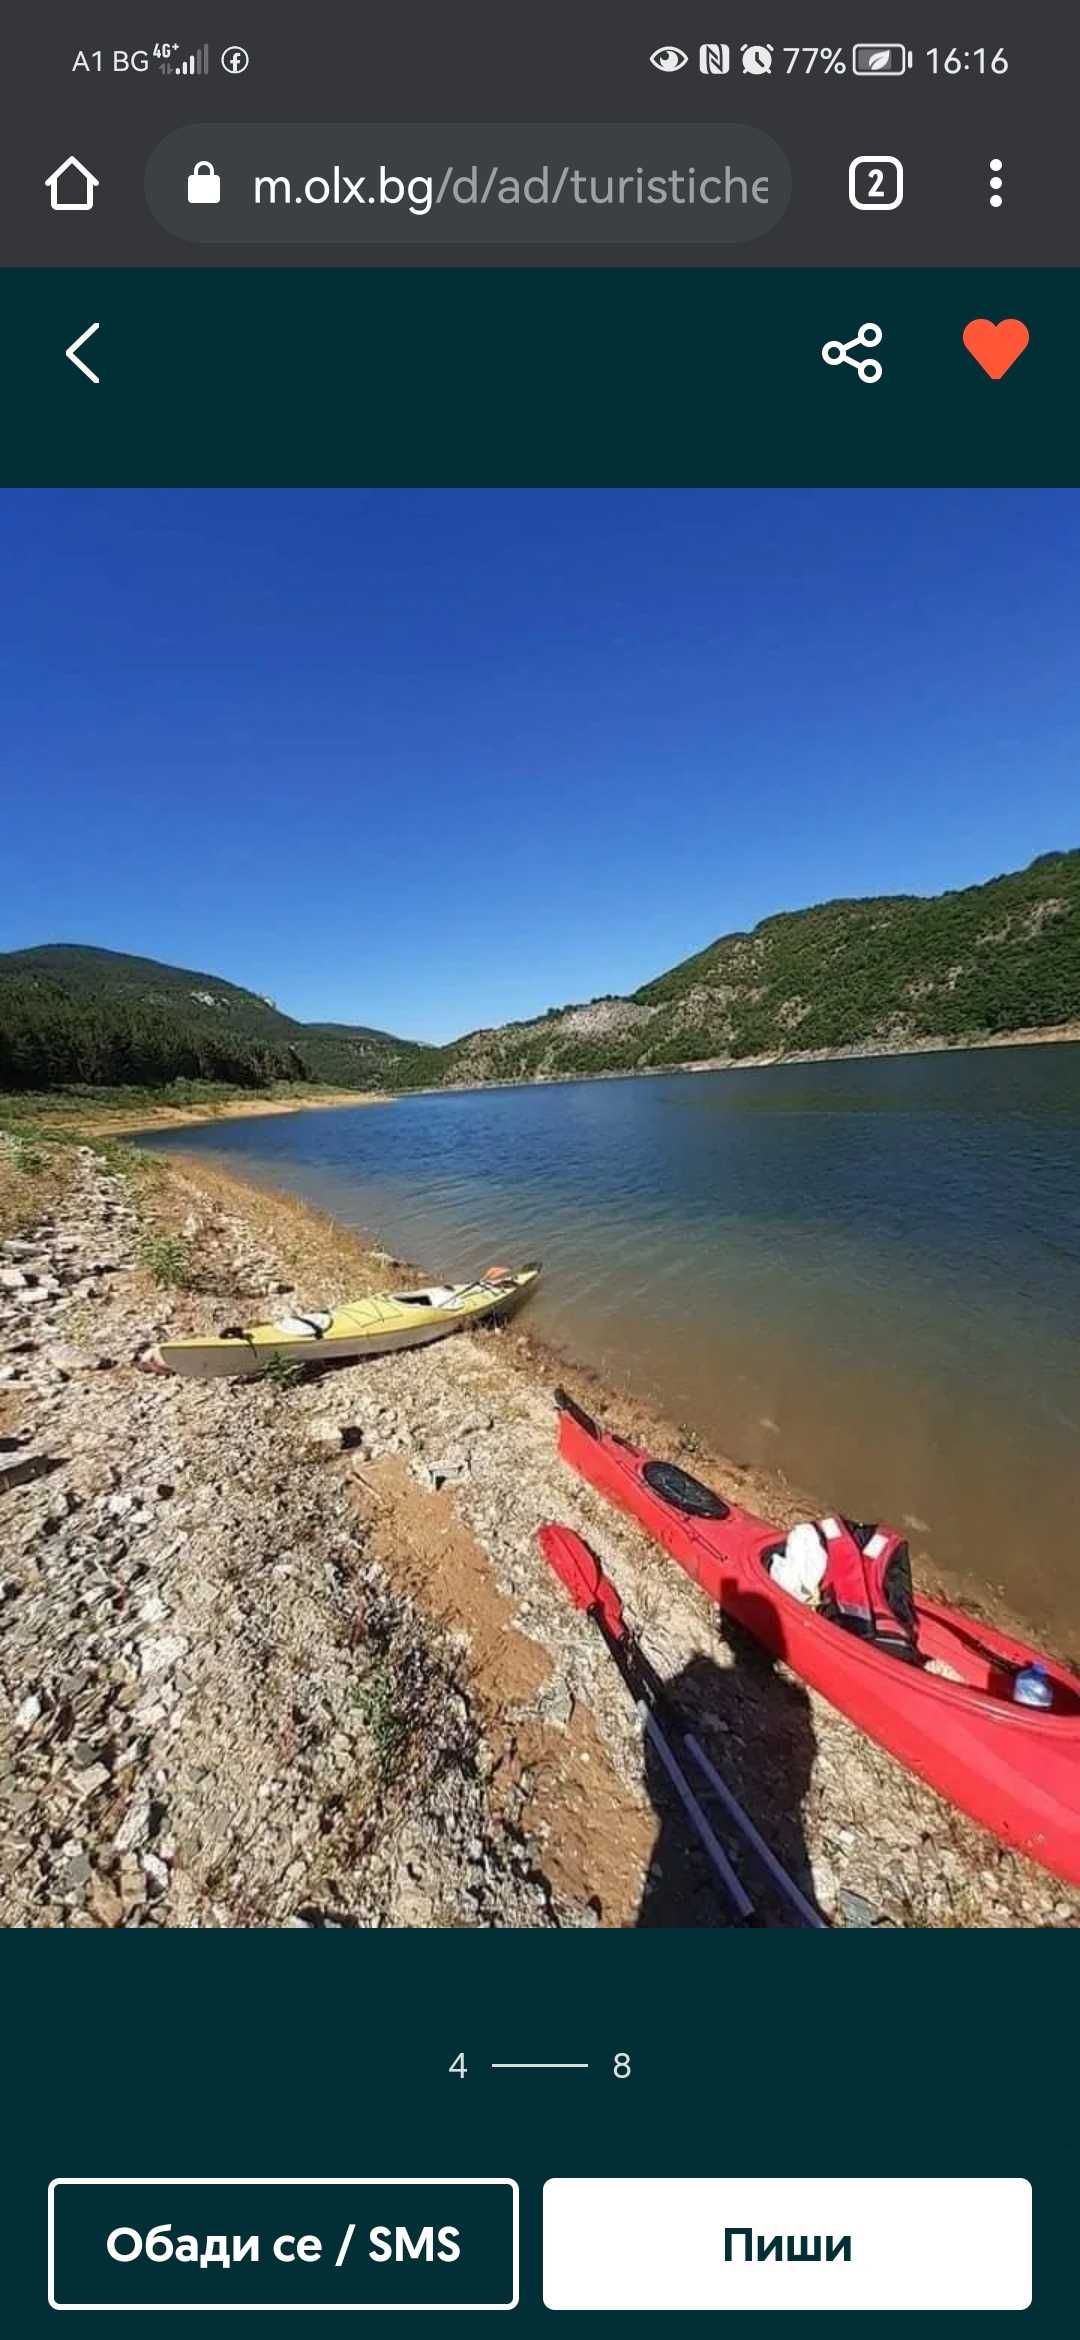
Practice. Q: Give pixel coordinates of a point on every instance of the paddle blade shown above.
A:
(569, 1555)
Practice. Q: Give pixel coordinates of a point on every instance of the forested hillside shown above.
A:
(73, 1014)
(885, 972)
(881, 973)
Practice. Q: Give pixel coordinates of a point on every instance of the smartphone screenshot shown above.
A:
(539, 1146)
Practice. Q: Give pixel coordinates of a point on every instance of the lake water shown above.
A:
(866, 1274)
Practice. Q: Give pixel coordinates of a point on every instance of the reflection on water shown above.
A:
(866, 1274)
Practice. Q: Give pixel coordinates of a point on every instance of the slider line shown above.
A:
(539, 2067)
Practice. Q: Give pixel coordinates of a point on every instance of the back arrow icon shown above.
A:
(72, 352)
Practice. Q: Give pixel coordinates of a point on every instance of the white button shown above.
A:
(665, 2243)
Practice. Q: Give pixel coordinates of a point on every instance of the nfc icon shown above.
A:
(714, 57)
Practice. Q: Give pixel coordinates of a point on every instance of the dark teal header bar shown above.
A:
(614, 377)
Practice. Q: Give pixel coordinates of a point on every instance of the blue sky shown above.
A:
(429, 760)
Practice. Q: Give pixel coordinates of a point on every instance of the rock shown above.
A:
(325, 1437)
(825, 1882)
(330, 1437)
(20, 1469)
(161, 1651)
(65, 1357)
(134, 1825)
(28, 1713)
(451, 1470)
(103, 1903)
(855, 1909)
(556, 1702)
(78, 1872)
(12, 1279)
(155, 1871)
(149, 1713)
(132, 1882)
(413, 1907)
(94, 1776)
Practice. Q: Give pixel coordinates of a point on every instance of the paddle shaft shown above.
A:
(647, 1692)
(744, 1907)
(784, 1884)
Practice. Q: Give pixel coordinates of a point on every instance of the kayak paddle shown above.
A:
(580, 1571)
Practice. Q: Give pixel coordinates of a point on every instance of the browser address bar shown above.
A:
(460, 183)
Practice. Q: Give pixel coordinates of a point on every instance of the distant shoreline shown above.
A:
(125, 1120)
(1029, 1036)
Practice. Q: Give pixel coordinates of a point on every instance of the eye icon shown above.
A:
(669, 60)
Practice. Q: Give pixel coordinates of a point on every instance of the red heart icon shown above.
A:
(996, 347)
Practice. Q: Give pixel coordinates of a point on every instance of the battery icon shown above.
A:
(881, 58)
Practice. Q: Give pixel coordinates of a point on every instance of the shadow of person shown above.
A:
(755, 1727)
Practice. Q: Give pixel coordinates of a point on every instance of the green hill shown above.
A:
(72, 1014)
(878, 974)
(882, 973)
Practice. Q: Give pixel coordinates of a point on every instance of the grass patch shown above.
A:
(168, 1261)
(130, 1162)
(379, 1703)
(77, 1102)
(281, 1372)
(33, 1173)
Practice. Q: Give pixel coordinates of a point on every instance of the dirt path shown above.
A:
(278, 1655)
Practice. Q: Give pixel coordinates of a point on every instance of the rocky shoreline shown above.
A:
(287, 1655)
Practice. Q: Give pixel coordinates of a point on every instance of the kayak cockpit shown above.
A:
(986, 1660)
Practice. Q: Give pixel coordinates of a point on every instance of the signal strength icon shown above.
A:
(198, 62)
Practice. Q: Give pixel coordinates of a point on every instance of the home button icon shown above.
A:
(71, 186)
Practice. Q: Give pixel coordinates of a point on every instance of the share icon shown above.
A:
(839, 353)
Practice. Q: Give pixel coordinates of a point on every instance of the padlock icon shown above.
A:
(204, 185)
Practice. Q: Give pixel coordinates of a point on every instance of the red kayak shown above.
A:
(1014, 1768)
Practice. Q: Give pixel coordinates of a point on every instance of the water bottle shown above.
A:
(1031, 1687)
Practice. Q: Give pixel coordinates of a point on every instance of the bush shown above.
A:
(281, 1372)
(379, 1702)
(168, 1260)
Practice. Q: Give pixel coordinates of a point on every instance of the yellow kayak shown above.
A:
(362, 1328)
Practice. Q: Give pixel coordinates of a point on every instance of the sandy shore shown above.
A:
(125, 1121)
(282, 1655)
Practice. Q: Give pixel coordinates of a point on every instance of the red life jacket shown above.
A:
(867, 1586)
